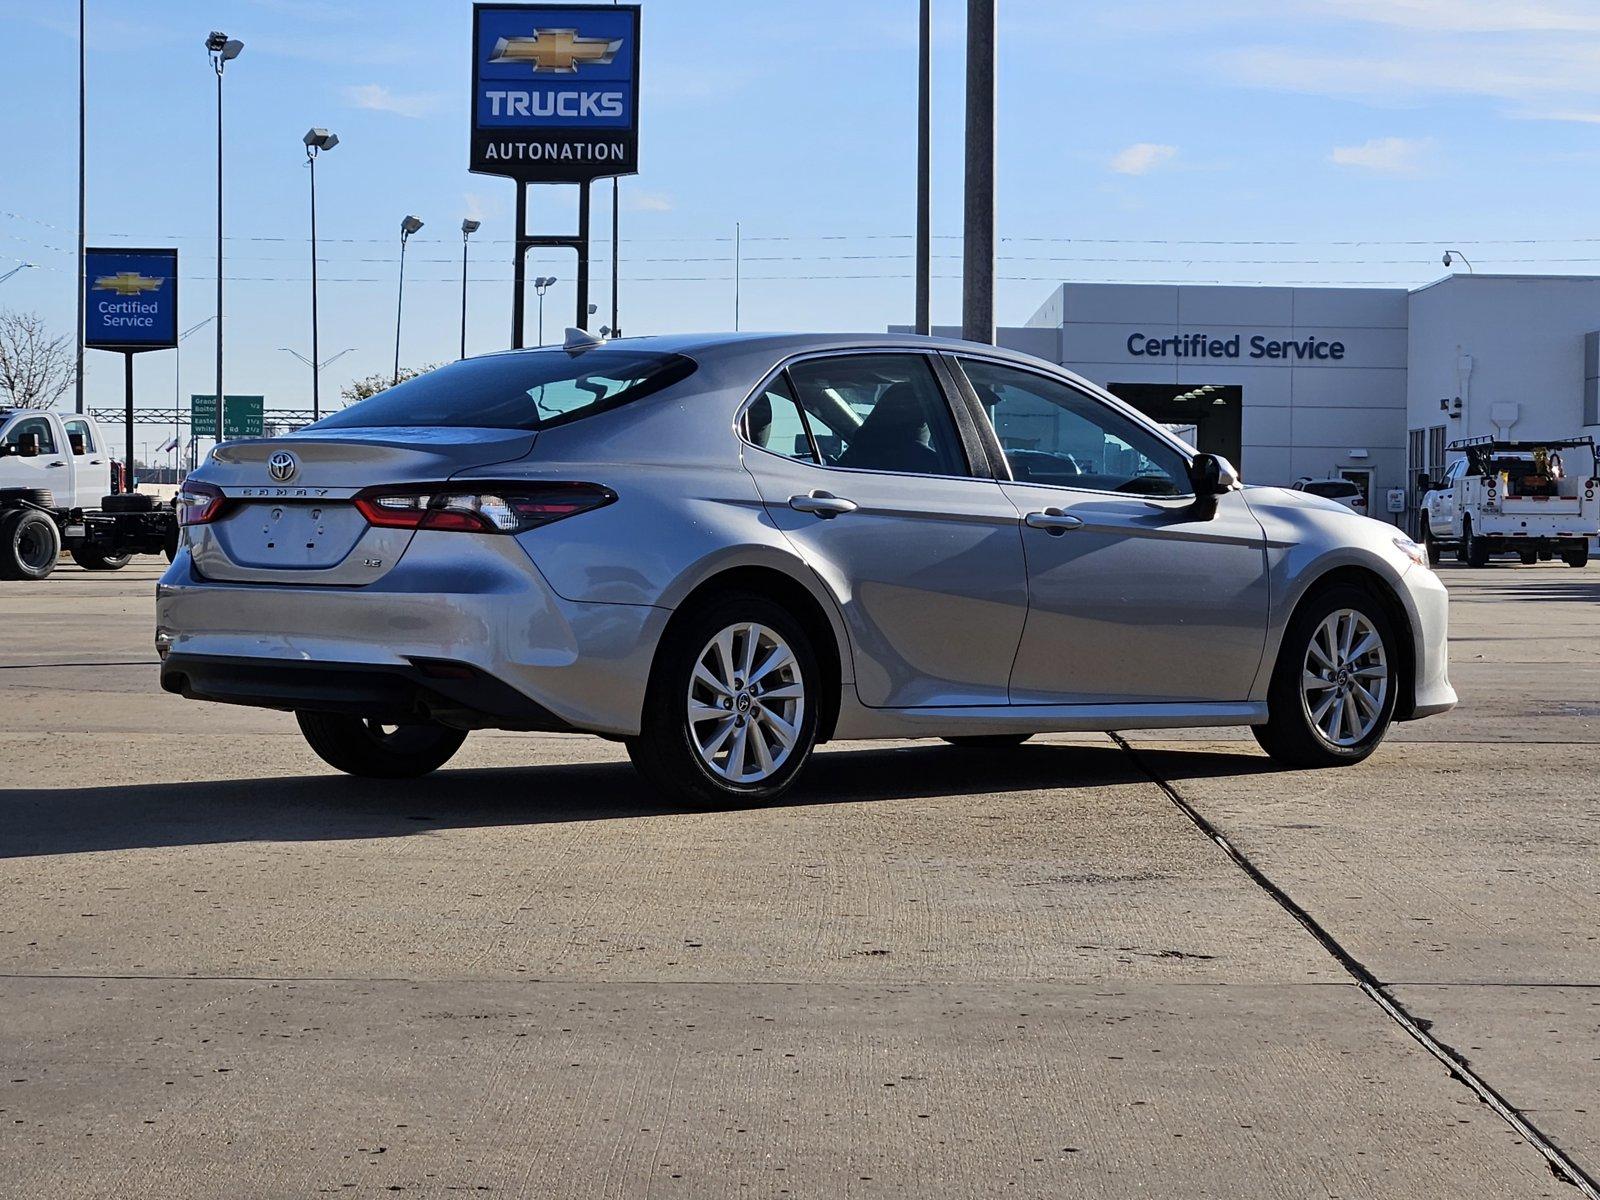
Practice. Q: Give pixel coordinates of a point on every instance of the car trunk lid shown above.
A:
(289, 516)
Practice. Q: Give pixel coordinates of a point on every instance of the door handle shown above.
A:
(822, 504)
(57, 463)
(94, 462)
(1053, 521)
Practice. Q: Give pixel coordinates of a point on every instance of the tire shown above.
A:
(373, 750)
(126, 502)
(43, 497)
(30, 544)
(988, 741)
(1291, 735)
(1474, 549)
(92, 559)
(1430, 543)
(1577, 556)
(685, 749)
(1528, 557)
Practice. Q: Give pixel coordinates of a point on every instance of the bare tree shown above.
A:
(364, 389)
(35, 369)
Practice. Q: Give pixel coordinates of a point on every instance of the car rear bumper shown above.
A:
(478, 605)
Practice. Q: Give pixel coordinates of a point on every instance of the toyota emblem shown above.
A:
(282, 466)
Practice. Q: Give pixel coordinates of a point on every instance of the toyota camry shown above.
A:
(723, 550)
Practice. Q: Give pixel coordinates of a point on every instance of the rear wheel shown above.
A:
(358, 746)
(1474, 549)
(30, 543)
(92, 558)
(1528, 557)
(1577, 555)
(1333, 689)
(730, 715)
(988, 741)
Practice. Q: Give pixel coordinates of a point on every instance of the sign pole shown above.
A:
(977, 250)
(519, 268)
(127, 412)
(583, 256)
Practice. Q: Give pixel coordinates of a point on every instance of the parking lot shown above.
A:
(229, 971)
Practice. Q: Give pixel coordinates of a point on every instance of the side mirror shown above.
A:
(1425, 483)
(1212, 475)
(28, 445)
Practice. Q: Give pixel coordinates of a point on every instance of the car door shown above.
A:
(1446, 511)
(91, 472)
(862, 463)
(34, 457)
(1136, 593)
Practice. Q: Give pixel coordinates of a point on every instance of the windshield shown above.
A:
(535, 389)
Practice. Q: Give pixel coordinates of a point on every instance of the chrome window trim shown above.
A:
(1105, 400)
(973, 475)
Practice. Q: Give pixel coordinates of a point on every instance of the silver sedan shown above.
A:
(723, 550)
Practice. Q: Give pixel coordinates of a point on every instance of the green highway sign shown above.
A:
(242, 416)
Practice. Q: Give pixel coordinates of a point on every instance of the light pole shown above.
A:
(77, 321)
(1451, 255)
(468, 228)
(223, 49)
(316, 141)
(177, 382)
(542, 285)
(13, 271)
(977, 246)
(408, 226)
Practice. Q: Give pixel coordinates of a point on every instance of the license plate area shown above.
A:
(290, 535)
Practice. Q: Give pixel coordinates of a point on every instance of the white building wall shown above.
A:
(1510, 346)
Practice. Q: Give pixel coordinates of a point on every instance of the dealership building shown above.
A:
(1365, 383)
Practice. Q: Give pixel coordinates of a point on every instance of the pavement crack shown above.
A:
(1561, 1166)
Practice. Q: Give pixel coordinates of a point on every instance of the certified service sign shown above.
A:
(130, 299)
(555, 91)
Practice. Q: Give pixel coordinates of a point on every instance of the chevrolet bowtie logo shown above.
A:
(559, 50)
(127, 283)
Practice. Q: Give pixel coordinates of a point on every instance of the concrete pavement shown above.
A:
(226, 970)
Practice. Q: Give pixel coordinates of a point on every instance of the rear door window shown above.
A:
(879, 412)
(530, 389)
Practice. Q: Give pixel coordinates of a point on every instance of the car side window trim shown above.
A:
(976, 466)
(992, 437)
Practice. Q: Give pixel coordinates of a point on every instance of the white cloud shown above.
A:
(1141, 158)
(646, 201)
(1386, 156)
(380, 99)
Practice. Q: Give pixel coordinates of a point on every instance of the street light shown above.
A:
(316, 141)
(408, 226)
(13, 271)
(1451, 255)
(468, 228)
(223, 50)
(542, 285)
(324, 364)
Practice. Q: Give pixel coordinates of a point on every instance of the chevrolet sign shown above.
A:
(131, 301)
(555, 91)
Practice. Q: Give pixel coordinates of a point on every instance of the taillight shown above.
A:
(504, 509)
(198, 503)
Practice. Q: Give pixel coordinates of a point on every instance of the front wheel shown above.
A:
(1431, 543)
(30, 543)
(730, 715)
(1474, 549)
(1332, 694)
(359, 746)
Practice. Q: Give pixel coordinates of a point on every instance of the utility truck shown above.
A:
(55, 494)
(1537, 500)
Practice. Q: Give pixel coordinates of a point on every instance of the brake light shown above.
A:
(198, 503)
(508, 509)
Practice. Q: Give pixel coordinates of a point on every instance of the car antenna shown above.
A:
(579, 340)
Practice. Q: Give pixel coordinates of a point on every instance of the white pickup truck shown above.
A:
(55, 494)
(1537, 500)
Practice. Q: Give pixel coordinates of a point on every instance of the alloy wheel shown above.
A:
(746, 703)
(1345, 678)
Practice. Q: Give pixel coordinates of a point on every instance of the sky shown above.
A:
(1313, 141)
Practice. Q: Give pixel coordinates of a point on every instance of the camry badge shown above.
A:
(282, 466)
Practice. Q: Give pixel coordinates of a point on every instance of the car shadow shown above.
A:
(334, 807)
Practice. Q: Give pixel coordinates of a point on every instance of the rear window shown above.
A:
(1333, 490)
(534, 389)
